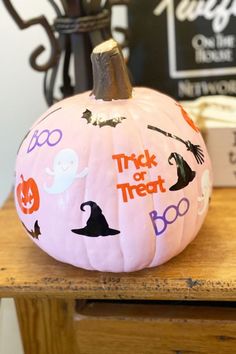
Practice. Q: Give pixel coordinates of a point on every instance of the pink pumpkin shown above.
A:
(123, 176)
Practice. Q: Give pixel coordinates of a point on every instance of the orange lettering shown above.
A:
(128, 190)
(142, 160)
(141, 190)
(160, 182)
(119, 161)
(152, 187)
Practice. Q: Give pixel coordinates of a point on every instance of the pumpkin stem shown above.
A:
(110, 75)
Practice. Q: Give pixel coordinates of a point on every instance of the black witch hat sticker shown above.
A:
(96, 224)
(184, 172)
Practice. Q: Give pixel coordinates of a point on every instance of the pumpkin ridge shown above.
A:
(196, 215)
(197, 193)
(174, 143)
(182, 222)
(171, 143)
(118, 208)
(193, 163)
(84, 198)
(151, 197)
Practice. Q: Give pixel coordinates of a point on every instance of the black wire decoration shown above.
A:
(77, 29)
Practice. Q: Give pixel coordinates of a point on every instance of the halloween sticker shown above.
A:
(64, 172)
(171, 213)
(36, 232)
(51, 138)
(130, 191)
(28, 195)
(97, 224)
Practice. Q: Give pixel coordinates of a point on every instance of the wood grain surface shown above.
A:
(47, 325)
(105, 328)
(206, 270)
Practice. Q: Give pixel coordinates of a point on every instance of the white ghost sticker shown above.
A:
(65, 166)
(206, 192)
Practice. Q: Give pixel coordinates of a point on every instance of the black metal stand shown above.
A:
(77, 29)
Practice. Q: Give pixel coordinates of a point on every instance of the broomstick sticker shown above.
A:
(196, 150)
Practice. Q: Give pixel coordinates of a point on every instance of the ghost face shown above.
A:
(65, 166)
(205, 183)
(206, 192)
(65, 163)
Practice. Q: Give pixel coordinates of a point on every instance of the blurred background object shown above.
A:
(186, 49)
(216, 118)
(79, 26)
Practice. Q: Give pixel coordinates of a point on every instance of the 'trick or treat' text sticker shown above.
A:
(131, 190)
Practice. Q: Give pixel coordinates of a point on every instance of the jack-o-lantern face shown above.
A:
(28, 195)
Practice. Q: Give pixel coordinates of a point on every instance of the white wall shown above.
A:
(10, 341)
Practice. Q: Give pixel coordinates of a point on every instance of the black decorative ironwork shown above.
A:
(81, 25)
(41, 20)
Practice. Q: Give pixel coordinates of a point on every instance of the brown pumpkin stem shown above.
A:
(110, 75)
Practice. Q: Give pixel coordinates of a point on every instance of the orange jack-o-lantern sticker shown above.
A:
(187, 118)
(28, 195)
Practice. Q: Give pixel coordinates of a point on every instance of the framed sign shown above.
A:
(185, 48)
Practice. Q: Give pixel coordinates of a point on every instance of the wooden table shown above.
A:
(161, 318)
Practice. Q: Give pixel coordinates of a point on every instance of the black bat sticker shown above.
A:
(101, 123)
(87, 115)
(34, 233)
